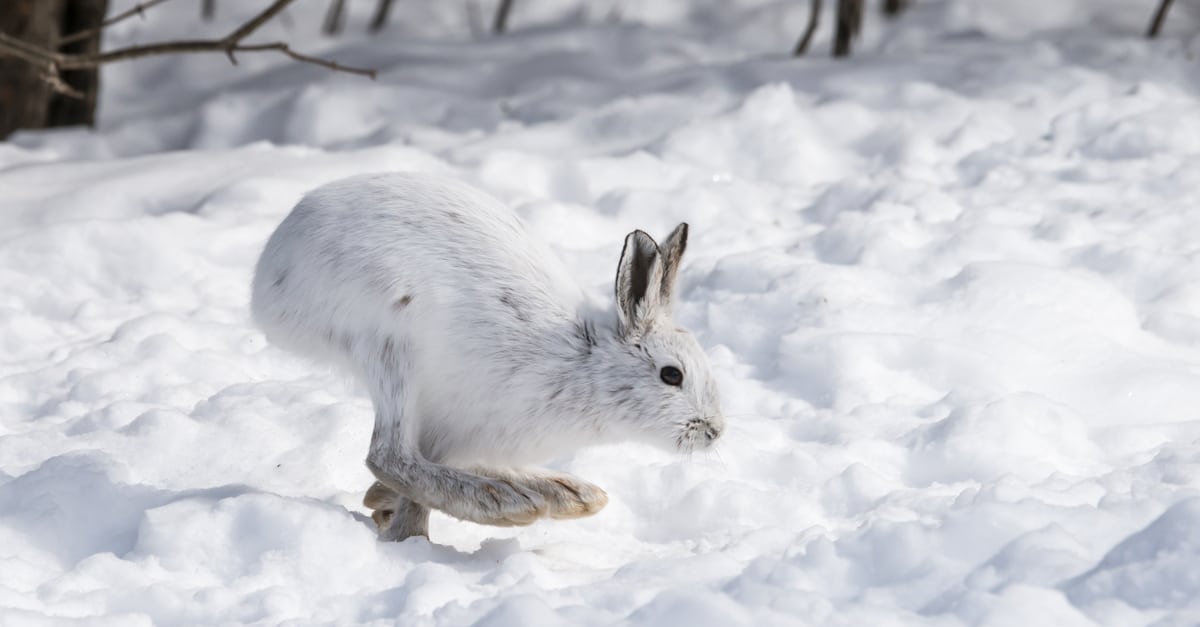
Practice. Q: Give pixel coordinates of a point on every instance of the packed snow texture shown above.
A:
(950, 288)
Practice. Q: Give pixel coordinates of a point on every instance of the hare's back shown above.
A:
(353, 255)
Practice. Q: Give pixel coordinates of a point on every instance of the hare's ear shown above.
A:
(672, 254)
(639, 275)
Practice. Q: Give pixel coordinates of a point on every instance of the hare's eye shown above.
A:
(671, 376)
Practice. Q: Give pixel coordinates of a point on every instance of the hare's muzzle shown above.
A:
(701, 433)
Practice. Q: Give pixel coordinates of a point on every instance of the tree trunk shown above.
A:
(24, 96)
(500, 24)
(379, 20)
(892, 8)
(333, 17)
(65, 111)
(849, 22)
(27, 101)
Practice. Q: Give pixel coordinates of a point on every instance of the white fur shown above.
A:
(479, 350)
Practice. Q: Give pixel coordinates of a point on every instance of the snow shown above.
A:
(950, 288)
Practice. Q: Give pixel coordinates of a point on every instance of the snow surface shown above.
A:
(950, 287)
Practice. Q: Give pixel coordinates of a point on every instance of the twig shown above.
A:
(56, 82)
(814, 18)
(28, 52)
(304, 58)
(138, 10)
(1159, 15)
(244, 30)
(55, 62)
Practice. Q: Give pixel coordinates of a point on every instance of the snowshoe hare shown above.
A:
(480, 352)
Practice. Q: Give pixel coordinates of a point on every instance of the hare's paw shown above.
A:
(570, 497)
(383, 500)
(379, 496)
(566, 496)
(396, 517)
(383, 518)
(501, 503)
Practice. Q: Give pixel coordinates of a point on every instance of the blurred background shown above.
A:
(391, 39)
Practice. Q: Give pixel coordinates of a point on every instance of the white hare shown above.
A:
(480, 352)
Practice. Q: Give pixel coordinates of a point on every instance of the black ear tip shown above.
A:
(641, 238)
(679, 237)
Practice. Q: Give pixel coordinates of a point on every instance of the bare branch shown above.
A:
(56, 62)
(244, 30)
(304, 58)
(71, 62)
(138, 10)
(54, 79)
(28, 52)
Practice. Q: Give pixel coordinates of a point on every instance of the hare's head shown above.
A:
(655, 369)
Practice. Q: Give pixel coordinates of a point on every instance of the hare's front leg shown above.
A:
(397, 517)
(566, 496)
(397, 463)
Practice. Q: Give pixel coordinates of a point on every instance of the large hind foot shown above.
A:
(566, 496)
(500, 497)
(464, 495)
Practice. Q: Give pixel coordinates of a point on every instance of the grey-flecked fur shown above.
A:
(480, 352)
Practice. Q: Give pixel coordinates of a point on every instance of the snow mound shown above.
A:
(1154, 568)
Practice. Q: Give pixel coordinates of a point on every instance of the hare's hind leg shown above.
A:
(458, 493)
(397, 517)
(397, 463)
(566, 496)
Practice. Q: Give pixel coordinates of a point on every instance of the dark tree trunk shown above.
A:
(24, 96)
(79, 15)
(333, 18)
(501, 22)
(379, 20)
(27, 101)
(892, 8)
(849, 22)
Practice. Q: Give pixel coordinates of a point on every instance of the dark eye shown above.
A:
(671, 376)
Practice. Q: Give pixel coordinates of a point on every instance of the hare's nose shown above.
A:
(712, 432)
